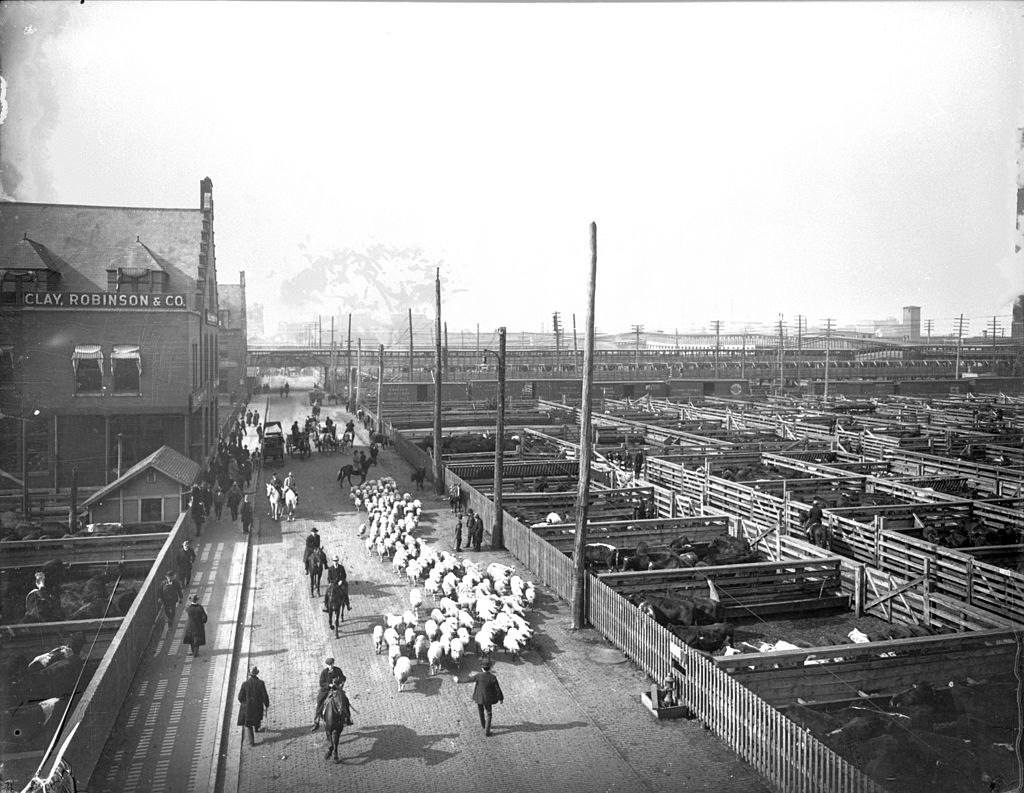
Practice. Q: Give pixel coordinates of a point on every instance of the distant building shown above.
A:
(254, 320)
(233, 347)
(109, 329)
(912, 323)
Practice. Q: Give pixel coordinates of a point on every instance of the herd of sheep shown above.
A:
(476, 608)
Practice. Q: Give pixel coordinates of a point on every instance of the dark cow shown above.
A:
(682, 610)
(600, 554)
(704, 637)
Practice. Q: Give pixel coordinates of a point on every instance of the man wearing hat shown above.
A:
(170, 597)
(246, 515)
(813, 523)
(486, 692)
(183, 561)
(336, 573)
(195, 629)
(312, 544)
(328, 675)
(253, 704)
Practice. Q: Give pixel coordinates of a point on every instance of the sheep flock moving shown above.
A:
(475, 608)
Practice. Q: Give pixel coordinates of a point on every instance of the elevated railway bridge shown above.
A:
(758, 358)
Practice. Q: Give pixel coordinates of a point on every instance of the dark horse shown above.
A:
(337, 716)
(335, 602)
(316, 561)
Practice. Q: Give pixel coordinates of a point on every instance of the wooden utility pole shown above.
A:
(380, 391)
(446, 346)
(717, 324)
(438, 381)
(332, 367)
(478, 340)
(959, 344)
(743, 357)
(348, 365)
(928, 328)
(410, 346)
(579, 604)
(73, 509)
(498, 528)
(637, 329)
(359, 369)
(319, 330)
(782, 376)
(828, 351)
(800, 319)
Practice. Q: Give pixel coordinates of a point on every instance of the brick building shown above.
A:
(232, 347)
(109, 324)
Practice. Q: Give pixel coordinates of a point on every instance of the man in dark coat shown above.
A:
(312, 544)
(328, 675)
(246, 515)
(195, 629)
(198, 514)
(183, 561)
(170, 597)
(234, 498)
(253, 705)
(478, 531)
(336, 573)
(218, 501)
(458, 534)
(486, 692)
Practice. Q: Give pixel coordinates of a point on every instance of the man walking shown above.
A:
(253, 705)
(198, 513)
(218, 501)
(170, 597)
(458, 534)
(246, 515)
(234, 498)
(486, 693)
(328, 675)
(183, 562)
(478, 531)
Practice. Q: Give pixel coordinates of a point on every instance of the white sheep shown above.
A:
(420, 646)
(392, 638)
(415, 599)
(431, 629)
(456, 649)
(394, 653)
(393, 620)
(378, 638)
(402, 670)
(410, 636)
(435, 652)
(409, 618)
(513, 642)
(485, 640)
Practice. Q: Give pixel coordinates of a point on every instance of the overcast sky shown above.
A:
(740, 160)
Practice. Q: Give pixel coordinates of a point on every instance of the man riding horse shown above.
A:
(330, 675)
(337, 715)
(312, 544)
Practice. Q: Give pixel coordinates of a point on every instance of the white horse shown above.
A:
(276, 501)
(291, 501)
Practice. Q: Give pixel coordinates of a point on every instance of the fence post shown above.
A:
(926, 593)
(858, 590)
(970, 580)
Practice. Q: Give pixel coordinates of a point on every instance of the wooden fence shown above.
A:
(83, 549)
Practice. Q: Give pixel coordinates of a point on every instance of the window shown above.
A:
(151, 510)
(87, 361)
(6, 366)
(127, 366)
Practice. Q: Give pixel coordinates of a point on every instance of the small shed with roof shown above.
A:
(151, 491)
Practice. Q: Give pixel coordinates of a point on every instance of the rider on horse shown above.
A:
(331, 428)
(336, 571)
(289, 482)
(330, 675)
(312, 544)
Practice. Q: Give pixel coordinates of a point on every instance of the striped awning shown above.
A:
(127, 352)
(87, 352)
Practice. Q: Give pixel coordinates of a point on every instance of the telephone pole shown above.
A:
(438, 378)
(782, 378)
(445, 359)
(348, 364)
(928, 328)
(995, 330)
(959, 344)
(637, 329)
(359, 367)
(411, 377)
(557, 326)
(800, 321)
(717, 325)
(828, 349)
(380, 390)
(579, 606)
(743, 355)
(319, 331)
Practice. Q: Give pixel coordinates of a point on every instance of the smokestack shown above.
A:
(912, 323)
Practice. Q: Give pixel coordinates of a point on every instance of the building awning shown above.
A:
(87, 352)
(127, 352)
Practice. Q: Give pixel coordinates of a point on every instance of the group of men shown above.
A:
(177, 580)
(202, 501)
(474, 529)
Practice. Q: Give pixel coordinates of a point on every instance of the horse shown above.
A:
(418, 476)
(291, 501)
(336, 601)
(276, 500)
(316, 561)
(337, 716)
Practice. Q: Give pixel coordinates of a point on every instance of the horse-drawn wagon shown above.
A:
(273, 441)
(298, 445)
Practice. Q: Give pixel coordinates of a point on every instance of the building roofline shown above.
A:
(99, 206)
